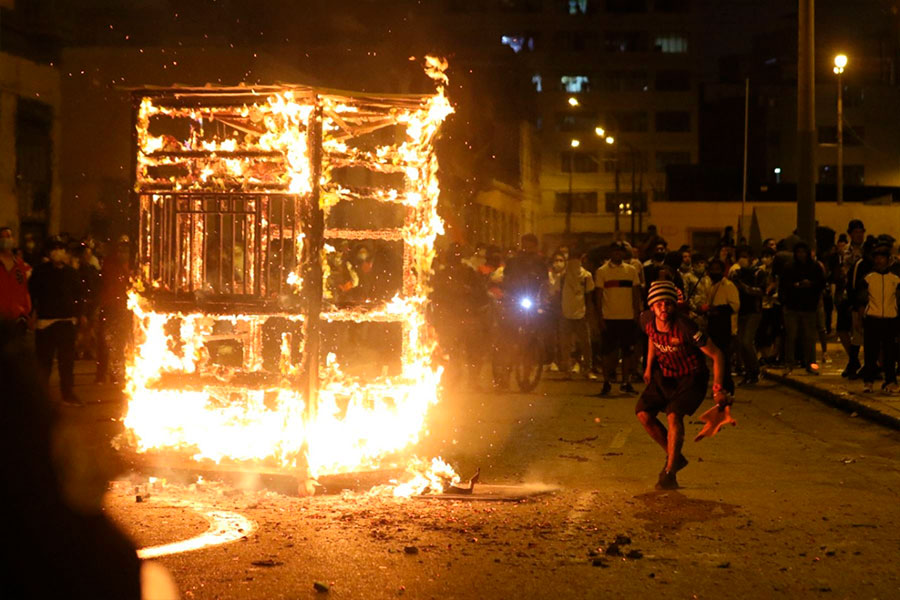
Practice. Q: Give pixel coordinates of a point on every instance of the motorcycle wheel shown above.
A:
(529, 367)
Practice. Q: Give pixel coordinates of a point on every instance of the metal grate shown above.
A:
(221, 244)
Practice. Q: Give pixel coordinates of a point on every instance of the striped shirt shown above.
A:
(677, 350)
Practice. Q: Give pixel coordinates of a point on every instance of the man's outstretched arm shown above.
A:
(712, 351)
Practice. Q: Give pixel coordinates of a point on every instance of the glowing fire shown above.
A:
(215, 412)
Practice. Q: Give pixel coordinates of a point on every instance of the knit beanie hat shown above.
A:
(662, 290)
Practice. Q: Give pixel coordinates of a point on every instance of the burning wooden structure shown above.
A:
(258, 206)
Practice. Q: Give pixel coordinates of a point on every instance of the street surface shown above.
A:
(798, 501)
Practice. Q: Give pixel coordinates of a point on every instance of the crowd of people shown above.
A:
(73, 300)
(767, 306)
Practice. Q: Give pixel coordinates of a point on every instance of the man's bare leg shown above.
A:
(655, 428)
(675, 441)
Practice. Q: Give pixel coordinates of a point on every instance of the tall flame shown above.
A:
(218, 416)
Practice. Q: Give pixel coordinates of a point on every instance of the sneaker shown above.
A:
(891, 388)
(627, 388)
(607, 388)
(867, 387)
(667, 481)
(590, 376)
(72, 400)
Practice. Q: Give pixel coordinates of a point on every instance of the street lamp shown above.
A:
(840, 61)
(573, 101)
(599, 131)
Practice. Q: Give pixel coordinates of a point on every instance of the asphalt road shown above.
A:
(797, 501)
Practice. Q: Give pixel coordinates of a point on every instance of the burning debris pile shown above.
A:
(249, 198)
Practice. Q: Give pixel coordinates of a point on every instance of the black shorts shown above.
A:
(844, 316)
(679, 395)
(618, 334)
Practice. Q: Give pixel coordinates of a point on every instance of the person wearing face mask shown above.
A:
(575, 285)
(721, 308)
(15, 301)
(656, 262)
(56, 293)
(696, 284)
(751, 285)
(800, 290)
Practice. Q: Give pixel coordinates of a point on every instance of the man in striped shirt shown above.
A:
(676, 375)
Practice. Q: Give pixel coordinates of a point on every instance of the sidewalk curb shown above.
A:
(845, 402)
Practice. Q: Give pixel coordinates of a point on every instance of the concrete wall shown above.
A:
(21, 78)
(677, 221)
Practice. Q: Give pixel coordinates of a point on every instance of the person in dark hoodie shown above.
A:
(56, 295)
(800, 288)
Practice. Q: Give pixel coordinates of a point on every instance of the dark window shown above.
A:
(34, 155)
(853, 136)
(673, 81)
(628, 121)
(664, 159)
(576, 121)
(581, 202)
(626, 6)
(672, 6)
(853, 96)
(520, 5)
(625, 41)
(575, 41)
(628, 160)
(673, 120)
(579, 162)
(624, 81)
(853, 174)
(623, 202)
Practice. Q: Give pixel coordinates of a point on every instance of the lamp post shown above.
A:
(573, 143)
(840, 61)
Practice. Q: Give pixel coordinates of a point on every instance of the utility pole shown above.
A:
(806, 122)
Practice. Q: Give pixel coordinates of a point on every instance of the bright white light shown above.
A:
(526, 303)
(573, 101)
(599, 131)
(777, 170)
(840, 61)
(610, 139)
(575, 143)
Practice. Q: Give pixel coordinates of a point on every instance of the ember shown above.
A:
(237, 188)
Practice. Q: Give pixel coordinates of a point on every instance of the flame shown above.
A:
(353, 424)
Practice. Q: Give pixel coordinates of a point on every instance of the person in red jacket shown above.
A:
(15, 301)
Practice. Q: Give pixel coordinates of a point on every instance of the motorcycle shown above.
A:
(521, 349)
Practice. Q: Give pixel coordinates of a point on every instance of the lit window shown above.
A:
(516, 42)
(671, 44)
(575, 83)
(578, 7)
(538, 83)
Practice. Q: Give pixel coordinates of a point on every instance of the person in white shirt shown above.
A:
(879, 318)
(575, 284)
(618, 302)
